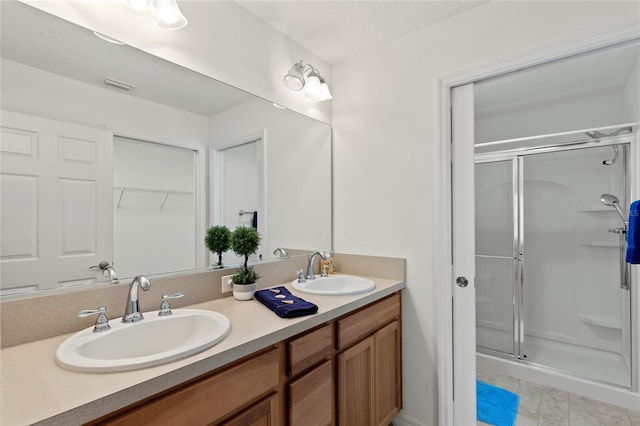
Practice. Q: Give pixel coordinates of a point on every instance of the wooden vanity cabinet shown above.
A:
(211, 399)
(369, 364)
(346, 372)
(310, 388)
(264, 413)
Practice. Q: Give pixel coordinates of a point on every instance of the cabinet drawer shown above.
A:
(311, 398)
(210, 399)
(366, 321)
(310, 349)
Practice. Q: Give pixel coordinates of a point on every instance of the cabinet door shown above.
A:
(311, 398)
(388, 374)
(264, 413)
(356, 385)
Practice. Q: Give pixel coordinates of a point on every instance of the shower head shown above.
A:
(613, 201)
(609, 200)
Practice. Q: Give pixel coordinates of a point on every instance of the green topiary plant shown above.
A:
(245, 242)
(218, 241)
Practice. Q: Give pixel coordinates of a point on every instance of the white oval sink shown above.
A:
(335, 285)
(152, 341)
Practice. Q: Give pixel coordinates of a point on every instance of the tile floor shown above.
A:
(546, 406)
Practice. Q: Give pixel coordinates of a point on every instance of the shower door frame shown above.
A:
(516, 157)
(517, 255)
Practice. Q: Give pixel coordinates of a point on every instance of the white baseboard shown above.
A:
(403, 420)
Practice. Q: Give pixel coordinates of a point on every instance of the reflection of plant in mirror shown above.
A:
(217, 241)
(245, 242)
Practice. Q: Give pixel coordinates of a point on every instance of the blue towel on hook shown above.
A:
(298, 308)
(633, 233)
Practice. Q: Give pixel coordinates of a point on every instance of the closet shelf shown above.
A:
(166, 192)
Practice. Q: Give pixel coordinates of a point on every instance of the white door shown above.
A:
(463, 279)
(237, 191)
(56, 205)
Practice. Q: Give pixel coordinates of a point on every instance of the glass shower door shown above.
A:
(575, 311)
(496, 262)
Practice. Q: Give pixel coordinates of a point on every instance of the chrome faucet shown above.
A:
(132, 310)
(310, 273)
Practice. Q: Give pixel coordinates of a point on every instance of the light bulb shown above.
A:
(317, 89)
(325, 94)
(294, 79)
(137, 4)
(168, 15)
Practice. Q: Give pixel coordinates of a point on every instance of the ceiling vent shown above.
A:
(122, 85)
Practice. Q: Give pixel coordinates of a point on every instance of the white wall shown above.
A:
(153, 232)
(385, 118)
(298, 172)
(631, 98)
(585, 113)
(222, 40)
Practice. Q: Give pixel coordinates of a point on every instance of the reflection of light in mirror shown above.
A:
(107, 38)
(166, 12)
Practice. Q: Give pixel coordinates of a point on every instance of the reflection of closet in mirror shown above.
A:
(154, 208)
(237, 190)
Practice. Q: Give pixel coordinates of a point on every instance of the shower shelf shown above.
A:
(600, 243)
(594, 208)
(601, 321)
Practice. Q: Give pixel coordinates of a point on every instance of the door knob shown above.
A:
(462, 282)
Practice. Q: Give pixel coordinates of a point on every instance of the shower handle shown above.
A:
(625, 278)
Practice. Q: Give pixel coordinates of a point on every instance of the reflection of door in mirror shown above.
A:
(154, 208)
(237, 191)
(56, 203)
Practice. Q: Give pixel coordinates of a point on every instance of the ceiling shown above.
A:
(337, 30)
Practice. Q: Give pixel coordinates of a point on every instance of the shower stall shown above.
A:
(552, 289)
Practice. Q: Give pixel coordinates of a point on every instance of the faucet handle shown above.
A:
(102, 323)
(300, 274)
(325, 272)
(165, 309)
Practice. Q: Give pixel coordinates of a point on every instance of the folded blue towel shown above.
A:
(633, 233)
(298, 308)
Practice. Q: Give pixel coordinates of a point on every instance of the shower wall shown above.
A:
(572, 287)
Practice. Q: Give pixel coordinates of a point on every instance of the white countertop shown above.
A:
(34, 389)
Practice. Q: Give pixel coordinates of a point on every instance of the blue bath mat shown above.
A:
(496, 406)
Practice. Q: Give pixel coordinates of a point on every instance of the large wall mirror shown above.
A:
(110, 154)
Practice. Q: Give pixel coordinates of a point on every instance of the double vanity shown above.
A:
(339, 366)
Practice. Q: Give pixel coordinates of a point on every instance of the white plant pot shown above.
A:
(244, 291)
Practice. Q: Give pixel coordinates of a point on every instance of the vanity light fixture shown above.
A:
(305, 76)
(166, 12)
